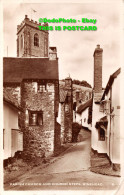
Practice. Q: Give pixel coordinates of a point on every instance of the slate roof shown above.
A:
(82, 107)
(110, 82)
(17, 69)
(7, 97)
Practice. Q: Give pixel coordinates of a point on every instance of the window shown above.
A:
(36, 40)
(41, 87)
(68, 99)
(36, 118)
(21, 41)
(101, 134)
(66, 108)
(45, 46)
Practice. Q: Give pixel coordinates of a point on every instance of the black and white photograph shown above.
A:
(62, 97)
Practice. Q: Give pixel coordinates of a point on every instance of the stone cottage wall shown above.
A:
(68, 122)
(57, 132)
(38, 140)
(14, 90)
(62, 122)
(57, 138)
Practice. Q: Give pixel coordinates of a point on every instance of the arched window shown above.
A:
(45, 46)
(21, 41)
(36, 40)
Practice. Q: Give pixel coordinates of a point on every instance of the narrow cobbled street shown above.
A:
(69, 171)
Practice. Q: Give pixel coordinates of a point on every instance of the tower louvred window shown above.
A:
(36, 40)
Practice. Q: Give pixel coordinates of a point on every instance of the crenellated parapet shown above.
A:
(31, 23)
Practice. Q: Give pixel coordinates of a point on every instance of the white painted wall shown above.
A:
(10, 116)
(83, 119)
(115, 126)
(112, 146)
(96, 144)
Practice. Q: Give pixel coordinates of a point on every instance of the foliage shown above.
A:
(82, 83)
(76, 127)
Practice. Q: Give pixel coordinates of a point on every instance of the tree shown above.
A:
(82, 83)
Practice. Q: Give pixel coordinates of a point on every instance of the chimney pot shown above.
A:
(98, 46)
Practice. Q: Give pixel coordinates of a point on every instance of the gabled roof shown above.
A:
(82, 107)
(17, 69)
(110, 82)
(102, 123)
(7, 97)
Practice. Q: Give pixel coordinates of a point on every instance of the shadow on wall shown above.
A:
(84, 134)
(76, 127)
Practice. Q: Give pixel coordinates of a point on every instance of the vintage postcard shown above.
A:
(62, 92)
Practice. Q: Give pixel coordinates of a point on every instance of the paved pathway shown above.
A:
(69, 172)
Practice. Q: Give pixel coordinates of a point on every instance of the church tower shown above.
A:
(32, 42)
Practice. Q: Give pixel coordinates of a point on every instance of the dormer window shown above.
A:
(36, 40)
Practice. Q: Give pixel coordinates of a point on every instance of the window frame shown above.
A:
(101, 134)
(36, 40)
(66, 108)
(37, 113)
(43, 87)
(21, 41)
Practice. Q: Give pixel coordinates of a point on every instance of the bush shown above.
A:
(76, 127)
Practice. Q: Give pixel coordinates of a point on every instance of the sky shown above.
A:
(74, 48)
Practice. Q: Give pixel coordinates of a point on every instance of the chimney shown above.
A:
(52, 53)
(98, 70)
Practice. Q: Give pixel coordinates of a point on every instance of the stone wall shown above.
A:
(27, 30)
(85, 93)
(62, 122)
(14, 90)
(67, 112)
(68, 122)
(57, 138)
(38, 140)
